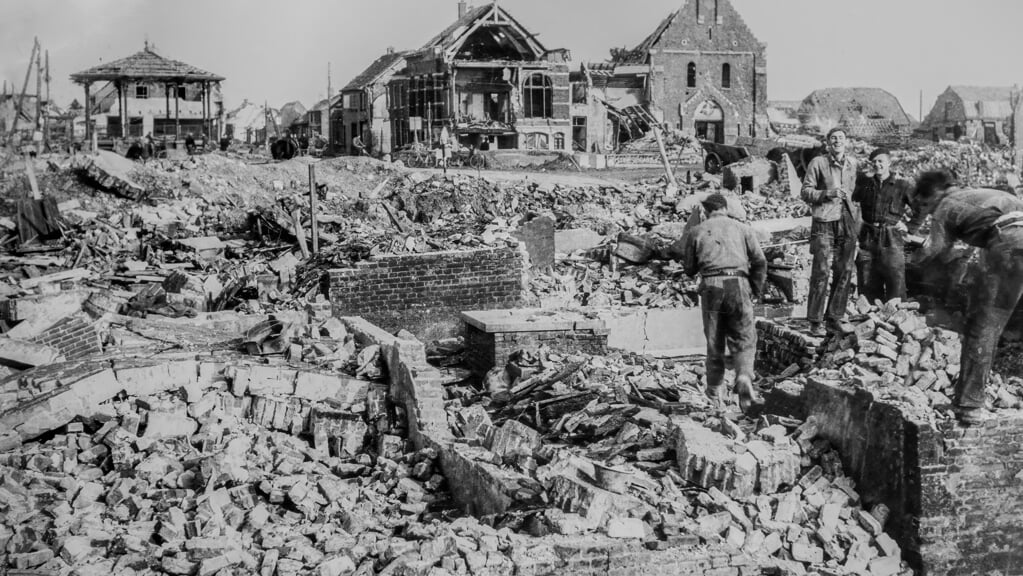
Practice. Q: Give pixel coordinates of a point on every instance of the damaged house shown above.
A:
(146, 93)
(364, 108)
(982, 114)
(704, 72)
(490, 82)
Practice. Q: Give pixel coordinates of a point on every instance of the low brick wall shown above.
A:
(485, 350)
(779, 347)
(481, 488)
(956, 494)
(424, 293)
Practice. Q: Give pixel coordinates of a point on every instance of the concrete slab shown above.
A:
(22, 354)
(568, 241)
(529, 320)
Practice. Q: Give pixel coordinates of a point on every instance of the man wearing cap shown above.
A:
(991, 220)
(828, 187)
(884, 200)
(733, 270)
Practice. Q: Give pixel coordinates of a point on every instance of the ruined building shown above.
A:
(364, 107)
(705, 72)
(869, 114)
(489, 81)
(978, 113)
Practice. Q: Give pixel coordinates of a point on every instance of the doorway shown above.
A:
(709, 121)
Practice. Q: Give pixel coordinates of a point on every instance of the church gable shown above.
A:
(708, 25)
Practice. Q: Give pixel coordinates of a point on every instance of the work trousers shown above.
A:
(994, 298)
(881, 263)
(727, 304)
(834, 250)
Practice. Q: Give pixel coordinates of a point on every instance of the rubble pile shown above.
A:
(630, 447)
(972, 163)
(152, 491)
(890, 350)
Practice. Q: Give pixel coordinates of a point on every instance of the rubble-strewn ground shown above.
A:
(261, 464)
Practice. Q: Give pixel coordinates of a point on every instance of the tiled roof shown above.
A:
(145, 65)
(374, 71)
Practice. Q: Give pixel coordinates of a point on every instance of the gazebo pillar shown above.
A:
(177, 115)
(205, 101)
(88, 118)
(166, 116)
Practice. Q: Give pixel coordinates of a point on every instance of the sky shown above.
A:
(280, 51)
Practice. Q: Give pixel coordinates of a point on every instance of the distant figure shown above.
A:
(225, 143)
(148, 147)
(190, 143)
(359, 145)
(135, 151)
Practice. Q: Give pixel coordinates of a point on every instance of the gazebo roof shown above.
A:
(145, 65)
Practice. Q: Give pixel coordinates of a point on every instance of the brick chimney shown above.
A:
(390, 49)
(462, 8)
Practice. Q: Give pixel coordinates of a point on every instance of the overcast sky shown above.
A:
(279, 51)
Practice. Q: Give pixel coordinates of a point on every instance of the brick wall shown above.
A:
(424, 293)
(485, 350)
(779, 347)
(74, 336)
(956, 494)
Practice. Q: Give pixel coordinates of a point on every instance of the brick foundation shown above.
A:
(424, 293)
(485, 350)
(956, 494)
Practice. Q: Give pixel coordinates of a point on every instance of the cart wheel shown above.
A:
(429, 160)
(712, 163)
(477, 161)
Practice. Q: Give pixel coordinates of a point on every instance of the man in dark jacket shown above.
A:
(828, 187)
(884, 200)
(991, 220)
(733, 270)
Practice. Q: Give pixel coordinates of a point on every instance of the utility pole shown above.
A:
(39, 90)
(46, 117)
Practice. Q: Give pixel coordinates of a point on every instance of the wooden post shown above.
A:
(312, 208)
(672, 184)
(296, 218)
(205, 100)
(88, 117)
(32, 182)
(167, 116)
(177, 117)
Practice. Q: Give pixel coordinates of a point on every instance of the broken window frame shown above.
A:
(691, 75)
(532, 106)
(141, 92)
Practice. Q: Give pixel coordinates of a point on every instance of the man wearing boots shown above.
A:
(733, 270)
(828, 187)
(991, 220)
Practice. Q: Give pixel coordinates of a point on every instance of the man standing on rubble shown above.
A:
(993, 221)
(733, 270)
(828, 187)
(884, 200)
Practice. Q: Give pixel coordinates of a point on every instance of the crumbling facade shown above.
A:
(489, 82)
(146, 93)
(706, 72)
(982, 114)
